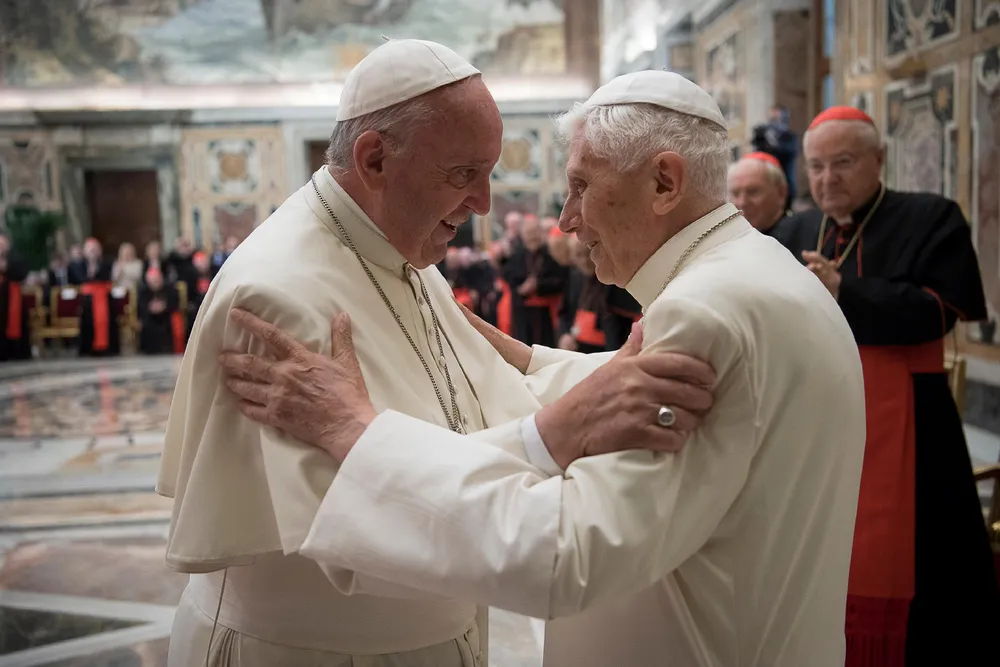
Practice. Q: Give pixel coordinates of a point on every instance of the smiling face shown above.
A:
(423, 192)
(610, 211)
(844, 161)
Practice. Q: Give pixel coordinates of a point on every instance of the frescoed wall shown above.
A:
(68, 43)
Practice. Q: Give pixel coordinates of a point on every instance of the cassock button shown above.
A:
(465, 419)
(441, 361)
(420, 300)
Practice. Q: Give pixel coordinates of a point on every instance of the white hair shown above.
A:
(629, 134)
(867, 132)
(774, 174)
(395, 124)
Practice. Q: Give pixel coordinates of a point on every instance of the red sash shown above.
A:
(881, 582)
(464, 297)
(178, 331)
(13, 311)
(585, 329)
(551, 302)
(100, 296)
(203, 285)
(505, 319)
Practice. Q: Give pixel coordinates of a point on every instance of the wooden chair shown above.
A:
(65, 311)
(125, 307)
(955, 365)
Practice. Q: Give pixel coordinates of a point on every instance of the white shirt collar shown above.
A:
(365, 234)
(647, 282)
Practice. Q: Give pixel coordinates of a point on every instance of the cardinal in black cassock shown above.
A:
(98, 329)
(15, 339)
(536, 284)
(922, 588)
(581, 313)
(157, 309)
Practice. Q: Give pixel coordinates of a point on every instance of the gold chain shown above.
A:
(857, 234)
(454, 422)
(687, 251)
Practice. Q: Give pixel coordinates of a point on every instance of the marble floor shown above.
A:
(82, 534)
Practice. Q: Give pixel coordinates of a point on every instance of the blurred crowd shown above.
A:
(89, 300)
(538, 285)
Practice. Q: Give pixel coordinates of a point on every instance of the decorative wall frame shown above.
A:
(920, 132)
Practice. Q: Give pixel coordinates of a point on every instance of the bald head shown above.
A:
(759, 189)
(844, 161)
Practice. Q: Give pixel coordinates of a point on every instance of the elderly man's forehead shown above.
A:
(839, 136)
(750, 170)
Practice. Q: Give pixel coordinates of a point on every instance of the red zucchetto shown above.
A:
(840, 113)
(763, 157)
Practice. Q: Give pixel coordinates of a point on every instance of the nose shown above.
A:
(738, 200)
(569, 218)
(479, 199)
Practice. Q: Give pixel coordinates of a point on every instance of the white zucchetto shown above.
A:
(664, 89)
(397, 71)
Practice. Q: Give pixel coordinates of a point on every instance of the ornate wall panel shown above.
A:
(912, 26)
(232, 178)
(987, 13)
(530, 176)
(862, 36)
(920, 133)
(28, 168)
(725, 78)
(985, 110)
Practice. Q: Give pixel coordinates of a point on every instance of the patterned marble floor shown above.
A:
(82, 580)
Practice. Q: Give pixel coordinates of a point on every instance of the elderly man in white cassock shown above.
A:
(410, 158)
(733, 551)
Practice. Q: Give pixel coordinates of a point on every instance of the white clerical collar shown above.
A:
(366, 236)
(647, 282)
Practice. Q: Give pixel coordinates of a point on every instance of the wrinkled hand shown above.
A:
(615, 408)
(567, 342)
(825, 270)
(528, 287)
(317, 399)
(513, 351)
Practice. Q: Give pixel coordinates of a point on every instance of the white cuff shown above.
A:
(538, 453)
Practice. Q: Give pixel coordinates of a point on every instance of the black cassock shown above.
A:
(621, 311)
(912, 273)
(534, 317)
(581, 313)
(18, 345)
(99, 336)
(157, 333)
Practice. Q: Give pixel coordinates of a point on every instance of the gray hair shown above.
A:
(395, 124)
(774, 174)
(629, 134)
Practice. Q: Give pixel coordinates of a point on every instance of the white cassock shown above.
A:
(732, 552)
(245, 497)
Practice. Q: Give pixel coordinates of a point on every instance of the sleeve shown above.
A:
(945, 285)
(551, 372)
(553, 279)
(515, 269)
(457, 517)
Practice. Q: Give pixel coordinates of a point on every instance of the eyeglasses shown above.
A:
(838, 165)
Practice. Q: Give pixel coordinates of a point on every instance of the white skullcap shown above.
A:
(399, 70)
(664, 89)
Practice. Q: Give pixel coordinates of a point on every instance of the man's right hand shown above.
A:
(615, 408)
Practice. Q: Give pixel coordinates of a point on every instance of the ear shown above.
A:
(670, 172)
(880, 156)
(369, 157)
